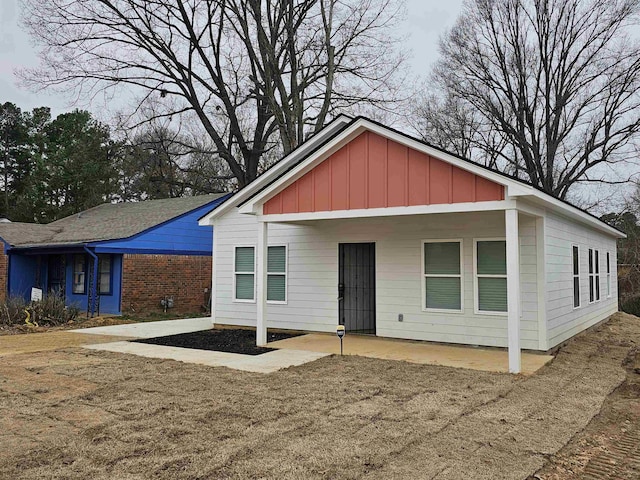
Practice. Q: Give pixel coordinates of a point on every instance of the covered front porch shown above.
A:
(415, 293)
(84, 278)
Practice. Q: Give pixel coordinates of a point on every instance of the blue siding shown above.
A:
(22, 275)
(182, 235)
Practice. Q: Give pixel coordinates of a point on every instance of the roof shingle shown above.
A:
(109, 221)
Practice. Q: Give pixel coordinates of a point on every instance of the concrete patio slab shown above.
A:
(161, 328)
(266, 363)
(492, 360)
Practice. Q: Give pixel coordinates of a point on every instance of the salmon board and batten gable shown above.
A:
(368, 227)
(144, 251)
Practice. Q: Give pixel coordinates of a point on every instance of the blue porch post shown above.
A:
(94, 283)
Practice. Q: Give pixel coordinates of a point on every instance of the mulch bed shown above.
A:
(223, 340)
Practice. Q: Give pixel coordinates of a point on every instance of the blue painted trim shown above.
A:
(144, 251)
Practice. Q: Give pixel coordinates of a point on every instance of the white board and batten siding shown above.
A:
(312, 280)
(563, 320)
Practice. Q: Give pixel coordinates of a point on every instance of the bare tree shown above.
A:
(246, 69)
(552, 86)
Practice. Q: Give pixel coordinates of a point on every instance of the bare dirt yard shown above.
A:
(78, 414)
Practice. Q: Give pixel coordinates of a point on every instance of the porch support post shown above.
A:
(261, 290)
(212, 292)
(513, 289)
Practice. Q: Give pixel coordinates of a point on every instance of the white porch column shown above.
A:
(214, 249)
(513, 289)
(261, 290)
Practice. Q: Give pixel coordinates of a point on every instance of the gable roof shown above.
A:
(299, 162)
(109, 221)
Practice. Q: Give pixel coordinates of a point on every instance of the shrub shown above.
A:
(631, 305)
(12, 311)
(50, 311)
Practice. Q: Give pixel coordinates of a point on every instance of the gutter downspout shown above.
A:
(94, 283)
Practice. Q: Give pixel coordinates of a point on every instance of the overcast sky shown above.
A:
(426, 20)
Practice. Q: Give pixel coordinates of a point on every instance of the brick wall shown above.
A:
(4, 274)
(146, 279)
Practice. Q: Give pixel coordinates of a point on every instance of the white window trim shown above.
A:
(595, 275)
(235, 249)
(286, 275)
(425, 275)
(608, 273)
(573, 277)
(476, 297)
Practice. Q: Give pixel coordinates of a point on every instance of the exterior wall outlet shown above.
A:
(400, 317)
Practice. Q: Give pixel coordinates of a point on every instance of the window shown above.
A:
(79, 274)
(244, 274)
(594, 275)
(608, 276)
(576, 276)
(491, 276)
(104, 274)
(442, 274)
(277, 274)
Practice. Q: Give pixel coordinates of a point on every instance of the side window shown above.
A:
(608, 275)
(594, 275)
(442, 275)
(491, 276)
(576, 276)
(79, 274)
(244, 273)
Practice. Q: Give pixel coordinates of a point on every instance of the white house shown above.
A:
(368, 227)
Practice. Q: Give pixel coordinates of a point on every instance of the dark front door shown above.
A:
(55, 274)
(357, 287)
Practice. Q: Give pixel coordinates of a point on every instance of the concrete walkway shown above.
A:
(161, 328)
(491, 360)
(266, 363)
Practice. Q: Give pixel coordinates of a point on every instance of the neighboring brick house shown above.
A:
(127, 256)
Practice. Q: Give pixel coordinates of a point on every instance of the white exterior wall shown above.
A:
(313, 275)
(564, 321)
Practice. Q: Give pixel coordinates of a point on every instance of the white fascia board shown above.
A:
(547, 201)
(282, 165)
(391, 211)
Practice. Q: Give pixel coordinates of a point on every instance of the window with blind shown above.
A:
(442, 275)
(576, 275)
(277, 274)
(491, 276)
(594, 275)
(104, 274)
(244, 274)
(79, 274)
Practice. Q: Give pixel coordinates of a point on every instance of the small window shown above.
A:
(244, 273)
(104, 274)
(491, 276)
(594, 275)
(576, 276)
(79, 274)
(442, 275)
(277, 274)
(608, 276)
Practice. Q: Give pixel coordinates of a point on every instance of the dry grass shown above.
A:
(75, 414)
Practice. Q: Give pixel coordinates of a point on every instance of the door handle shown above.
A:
(340, 291)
